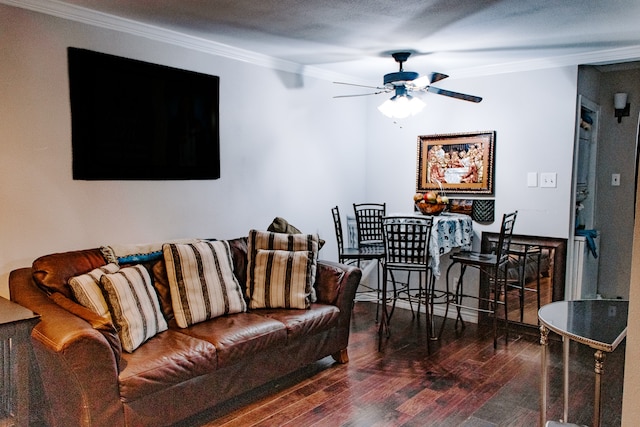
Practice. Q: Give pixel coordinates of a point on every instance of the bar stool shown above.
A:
(523, 253)
(369, 230)
(406, 243)
(492, 264)
(356, 255)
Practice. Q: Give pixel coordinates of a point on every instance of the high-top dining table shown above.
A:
(450, 231)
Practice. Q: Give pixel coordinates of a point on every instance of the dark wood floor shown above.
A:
(463, 381)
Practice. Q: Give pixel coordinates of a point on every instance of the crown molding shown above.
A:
(103, 20)
(597, 57)
(129, 26)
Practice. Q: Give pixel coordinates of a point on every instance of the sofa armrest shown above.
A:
(77, 366)
(336, 284)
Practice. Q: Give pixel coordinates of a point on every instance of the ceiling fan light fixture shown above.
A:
(401, 106)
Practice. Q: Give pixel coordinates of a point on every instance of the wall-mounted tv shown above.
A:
(132, 120)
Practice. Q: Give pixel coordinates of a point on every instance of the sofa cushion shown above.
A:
(285, 242)
(134, 306)
(281, 225)
(238, 335)
(202, 282)
(87, 291)
(239, 256)
(281, 279)
(52, 272)
(168, 359)
(301, 323)
(161, 283)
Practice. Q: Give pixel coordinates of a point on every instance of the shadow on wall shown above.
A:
(291, 80)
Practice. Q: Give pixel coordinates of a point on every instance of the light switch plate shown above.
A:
(532, 179)
(548, 179)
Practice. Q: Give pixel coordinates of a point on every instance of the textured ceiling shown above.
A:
(355, 37)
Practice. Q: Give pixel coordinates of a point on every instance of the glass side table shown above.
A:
(16, 323)
(600, 324)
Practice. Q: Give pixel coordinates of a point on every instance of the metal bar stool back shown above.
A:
(406, 245)
(494, 265)
(369, 222)
(337, 224)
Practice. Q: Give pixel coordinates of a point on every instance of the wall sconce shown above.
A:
(621, 106)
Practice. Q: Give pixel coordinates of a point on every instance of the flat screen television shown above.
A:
(132, 120)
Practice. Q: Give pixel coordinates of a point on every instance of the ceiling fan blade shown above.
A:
(360, 94)
(457, 95)
(436, 77)
(357, 85)
(422, 82)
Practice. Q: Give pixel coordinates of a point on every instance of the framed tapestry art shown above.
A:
(456, 163)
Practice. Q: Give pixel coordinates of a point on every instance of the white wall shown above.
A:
(533, 114)
(286, 151)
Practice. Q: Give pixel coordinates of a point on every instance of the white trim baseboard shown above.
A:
(468, 315)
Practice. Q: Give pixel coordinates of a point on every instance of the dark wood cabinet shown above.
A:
(16, 323)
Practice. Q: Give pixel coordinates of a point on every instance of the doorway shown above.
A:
(584, 236)
(616, 156)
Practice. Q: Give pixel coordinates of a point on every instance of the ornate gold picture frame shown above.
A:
(456, 163)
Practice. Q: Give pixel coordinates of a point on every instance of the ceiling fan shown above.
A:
(403, 83)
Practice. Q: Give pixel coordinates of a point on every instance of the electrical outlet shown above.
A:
(548, 179)
(615, 179)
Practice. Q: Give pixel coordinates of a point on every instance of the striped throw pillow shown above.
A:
(202, 282)
(87, 291)
(281, 279)
(307, 244)
(134, 306)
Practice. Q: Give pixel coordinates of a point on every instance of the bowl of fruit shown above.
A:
(431, 202)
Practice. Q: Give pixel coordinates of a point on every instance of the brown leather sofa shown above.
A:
(82, 378)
